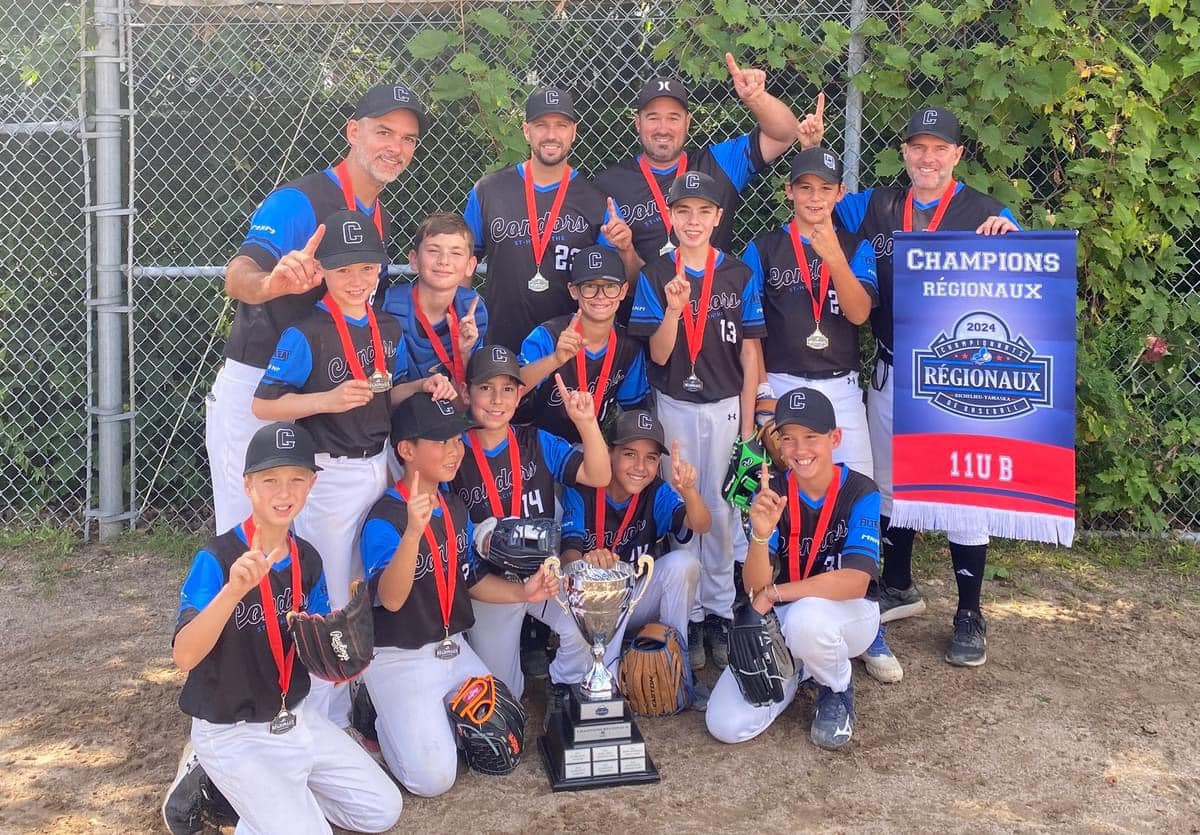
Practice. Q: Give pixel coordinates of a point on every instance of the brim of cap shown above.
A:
(644, 101)
(940, 134)
(823, 173)
(704, 197)
(278, 461)
(344, 259)
(422, 119)
(444, 431)
(796, 422)
(640, 436)
(552, 111)
(613, 278)
(488, 372)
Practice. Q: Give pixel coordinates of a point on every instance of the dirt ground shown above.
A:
(1083, 719)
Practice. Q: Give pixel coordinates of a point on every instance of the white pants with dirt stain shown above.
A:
(823, 635)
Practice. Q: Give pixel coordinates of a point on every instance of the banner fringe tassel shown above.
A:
(1007, 524)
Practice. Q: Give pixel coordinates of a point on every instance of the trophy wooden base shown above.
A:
(595, 744)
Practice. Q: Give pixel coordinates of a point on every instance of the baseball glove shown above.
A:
(340, 645)
(651, 675)
(745, 468)
(488, 723)
(519, 546)
(758, 656)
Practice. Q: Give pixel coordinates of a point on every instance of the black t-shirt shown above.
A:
(419, 621)
(734, 314)
(659, 511)
(238, 680)
(284, 222)
(310, 359)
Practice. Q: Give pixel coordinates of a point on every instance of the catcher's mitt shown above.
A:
(488, 723)
(758, 656)
(651, 675)
(519, 546)
(340, 645)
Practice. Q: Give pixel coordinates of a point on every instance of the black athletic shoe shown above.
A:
(183, 808)
(695, 638)
(833, 722)
(968, 647)
(558, 698)
(896, 604)
(716, 635)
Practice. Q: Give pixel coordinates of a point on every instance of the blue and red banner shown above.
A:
(985, 384)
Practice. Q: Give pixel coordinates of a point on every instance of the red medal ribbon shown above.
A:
(271, 614)
(343, 332)
(601, 508)
(605, 368)
(540, 238)
(656, 192)
(489, 481)
(938, 213)
(445, 577)
(797, 521)
(342, 172)
(454, 361)
(818, 301)
(693, 326)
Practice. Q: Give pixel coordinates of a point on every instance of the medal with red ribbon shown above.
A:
(285, 720)
(816, 340)
(539, 238)
(342, 172)
(489, 480)
(657, 193)
(605, 368)
(814, 547)
(445, 576)
(938, 213)
(601, 508)
(693, 325)
(452, 362)
(379, 381)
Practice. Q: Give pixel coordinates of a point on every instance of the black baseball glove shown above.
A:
(519, 546)
(488, 723)
(758, 656)
(340, 645)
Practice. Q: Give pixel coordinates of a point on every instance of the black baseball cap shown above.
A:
(547, 100)
(350, 238)
(637, 425)
(805, 407)
(384, 98)
(936, 122)
(281, 444)
(694, 184)
(822, 162)
(492, 361)
(597, 263)
(422, 417)
(662, 87)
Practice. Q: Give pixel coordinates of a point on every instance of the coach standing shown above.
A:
(276, 278)
(530, 219)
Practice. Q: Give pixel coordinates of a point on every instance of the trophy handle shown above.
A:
(645, 570)
(554, 566)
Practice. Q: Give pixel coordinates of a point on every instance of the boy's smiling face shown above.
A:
(443, 261)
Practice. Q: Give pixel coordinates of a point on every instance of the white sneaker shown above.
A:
(882, 665)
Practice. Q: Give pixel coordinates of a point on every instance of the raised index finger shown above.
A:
(820, 106)
(562, 387)
(471, 309)
(731, 64)
(310, 248)
(765, 477)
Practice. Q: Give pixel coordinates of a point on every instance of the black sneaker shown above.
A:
(700, 694)
(968, 647)
(833, 723)
(896, 604)
(558, 698)
(183, 808)
(716, 634)
(695, 639)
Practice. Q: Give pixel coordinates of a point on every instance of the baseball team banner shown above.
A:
(985, 383)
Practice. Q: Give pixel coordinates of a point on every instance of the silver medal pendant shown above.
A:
(283, 722)
(538, 283)
(691, 383)
(379, 382)
(817, 340)
(666, 248)
(446, 650)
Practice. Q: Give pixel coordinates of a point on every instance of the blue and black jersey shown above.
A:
(660, 511)
(284, 222)
(787, 304)
(422, 360)
(238, 680)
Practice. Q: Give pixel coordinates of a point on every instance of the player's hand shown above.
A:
(767, 508)
(617, 230)
(570, 342)
(812, 126)
(439, 387)
(683, 474)
(349, 395)
(541, 586)
(468, 330)
(579, 404)
(825, 241)
(762, 602)
(420, 509)
(601, 558)
(749, 84)
(678, 290)
(996, 225)
(249, 569)
(298, 271)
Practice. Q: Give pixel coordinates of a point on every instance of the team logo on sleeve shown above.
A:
(981, 371)
(285, 439)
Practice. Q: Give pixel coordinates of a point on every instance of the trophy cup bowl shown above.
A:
(599, 600)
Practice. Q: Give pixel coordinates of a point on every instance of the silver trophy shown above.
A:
(599, 600)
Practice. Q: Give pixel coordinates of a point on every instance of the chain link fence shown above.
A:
(229, 99)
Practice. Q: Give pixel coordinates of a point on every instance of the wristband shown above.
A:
(764, 392)
(760, 540)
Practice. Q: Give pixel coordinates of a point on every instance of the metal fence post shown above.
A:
(110, 305)
(855, 57)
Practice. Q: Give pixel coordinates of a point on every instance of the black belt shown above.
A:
(823, 375)
(358, 452)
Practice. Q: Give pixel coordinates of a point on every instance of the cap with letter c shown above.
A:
(694, 184)
(805, 407)
(934, 121)
(281, 444)
(420, 417)
(550, 100)
(350, 238)
(637, 425)
(384, 98)
(597, 263)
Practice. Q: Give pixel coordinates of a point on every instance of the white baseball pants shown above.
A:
(229, 424)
